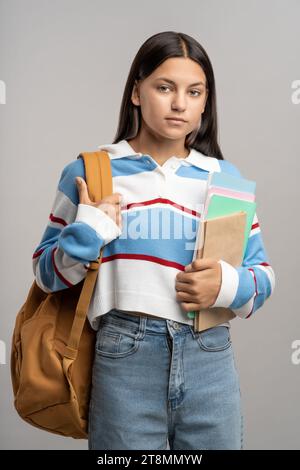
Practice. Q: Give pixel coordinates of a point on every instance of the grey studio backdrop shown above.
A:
(63, 70)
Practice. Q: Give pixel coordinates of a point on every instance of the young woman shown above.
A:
(157, 384)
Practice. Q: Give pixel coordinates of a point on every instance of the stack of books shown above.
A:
(223, 232)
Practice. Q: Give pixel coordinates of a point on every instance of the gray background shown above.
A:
(65, 64)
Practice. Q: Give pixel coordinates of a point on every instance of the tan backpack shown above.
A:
(53, 343)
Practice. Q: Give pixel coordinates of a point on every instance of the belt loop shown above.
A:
(194, 333)
(142, 327)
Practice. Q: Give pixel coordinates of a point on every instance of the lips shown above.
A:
(175, 119)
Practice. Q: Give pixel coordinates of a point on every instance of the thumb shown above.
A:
(188, 268)
(82, 190)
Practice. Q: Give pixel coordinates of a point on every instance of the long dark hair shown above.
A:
(151, 54)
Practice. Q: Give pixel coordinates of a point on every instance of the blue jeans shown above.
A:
(157, 383)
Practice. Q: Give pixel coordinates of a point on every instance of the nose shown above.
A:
(179, 102)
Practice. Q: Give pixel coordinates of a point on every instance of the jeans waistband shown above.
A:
(150, 324)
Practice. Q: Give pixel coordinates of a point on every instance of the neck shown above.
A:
(159, 149)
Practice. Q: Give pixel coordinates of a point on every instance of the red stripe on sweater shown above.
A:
(252, 270)
(152, 259)
(61, 277)
(160, 200)
(38, 253)
(57, 220)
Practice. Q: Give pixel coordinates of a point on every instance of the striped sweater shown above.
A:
(161, 210)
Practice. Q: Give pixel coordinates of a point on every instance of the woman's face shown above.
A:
(160, 99)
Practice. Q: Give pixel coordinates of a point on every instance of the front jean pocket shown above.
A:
(214, 339)
(116, 340)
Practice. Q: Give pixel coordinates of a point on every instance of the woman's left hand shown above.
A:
(199, 284)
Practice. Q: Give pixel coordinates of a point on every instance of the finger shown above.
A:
(185, 297)
(200, 263)
(109, 209)
(118, 215)
(114, 198)
(185, 277)
(83, 191)
(119, 197)
(120, 219)
(190, 306)
(184, 286)
(113, 211)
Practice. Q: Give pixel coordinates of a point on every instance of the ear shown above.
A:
(135, 98)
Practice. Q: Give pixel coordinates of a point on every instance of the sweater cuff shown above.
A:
(105, 227)
(229, 285)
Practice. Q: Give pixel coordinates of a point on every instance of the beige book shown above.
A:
(220, 238)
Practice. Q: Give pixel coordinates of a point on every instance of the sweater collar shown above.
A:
(123, 149)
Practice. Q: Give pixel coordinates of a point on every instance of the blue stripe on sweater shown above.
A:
(50, 235)
(255, 251)
(177, 251)
(67, 183)
(246, 288)
(78, 240)
(158, 232)
(262, 281)
(81, 242)
(192, 172)
(230, 168)
(127, 166)
(258, 302)
(48, 274)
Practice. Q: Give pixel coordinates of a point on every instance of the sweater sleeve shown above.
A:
(73, 237)
(245, 289)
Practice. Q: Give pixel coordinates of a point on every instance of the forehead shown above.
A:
(180, 70)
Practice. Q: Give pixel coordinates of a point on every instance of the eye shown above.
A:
(163, 86)
(199, 92)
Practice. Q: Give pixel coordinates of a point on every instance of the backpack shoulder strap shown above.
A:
(99, 182)
(98, 174)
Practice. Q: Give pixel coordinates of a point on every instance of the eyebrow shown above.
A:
(173, 83)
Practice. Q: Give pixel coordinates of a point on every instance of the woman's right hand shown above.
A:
(111, 205)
